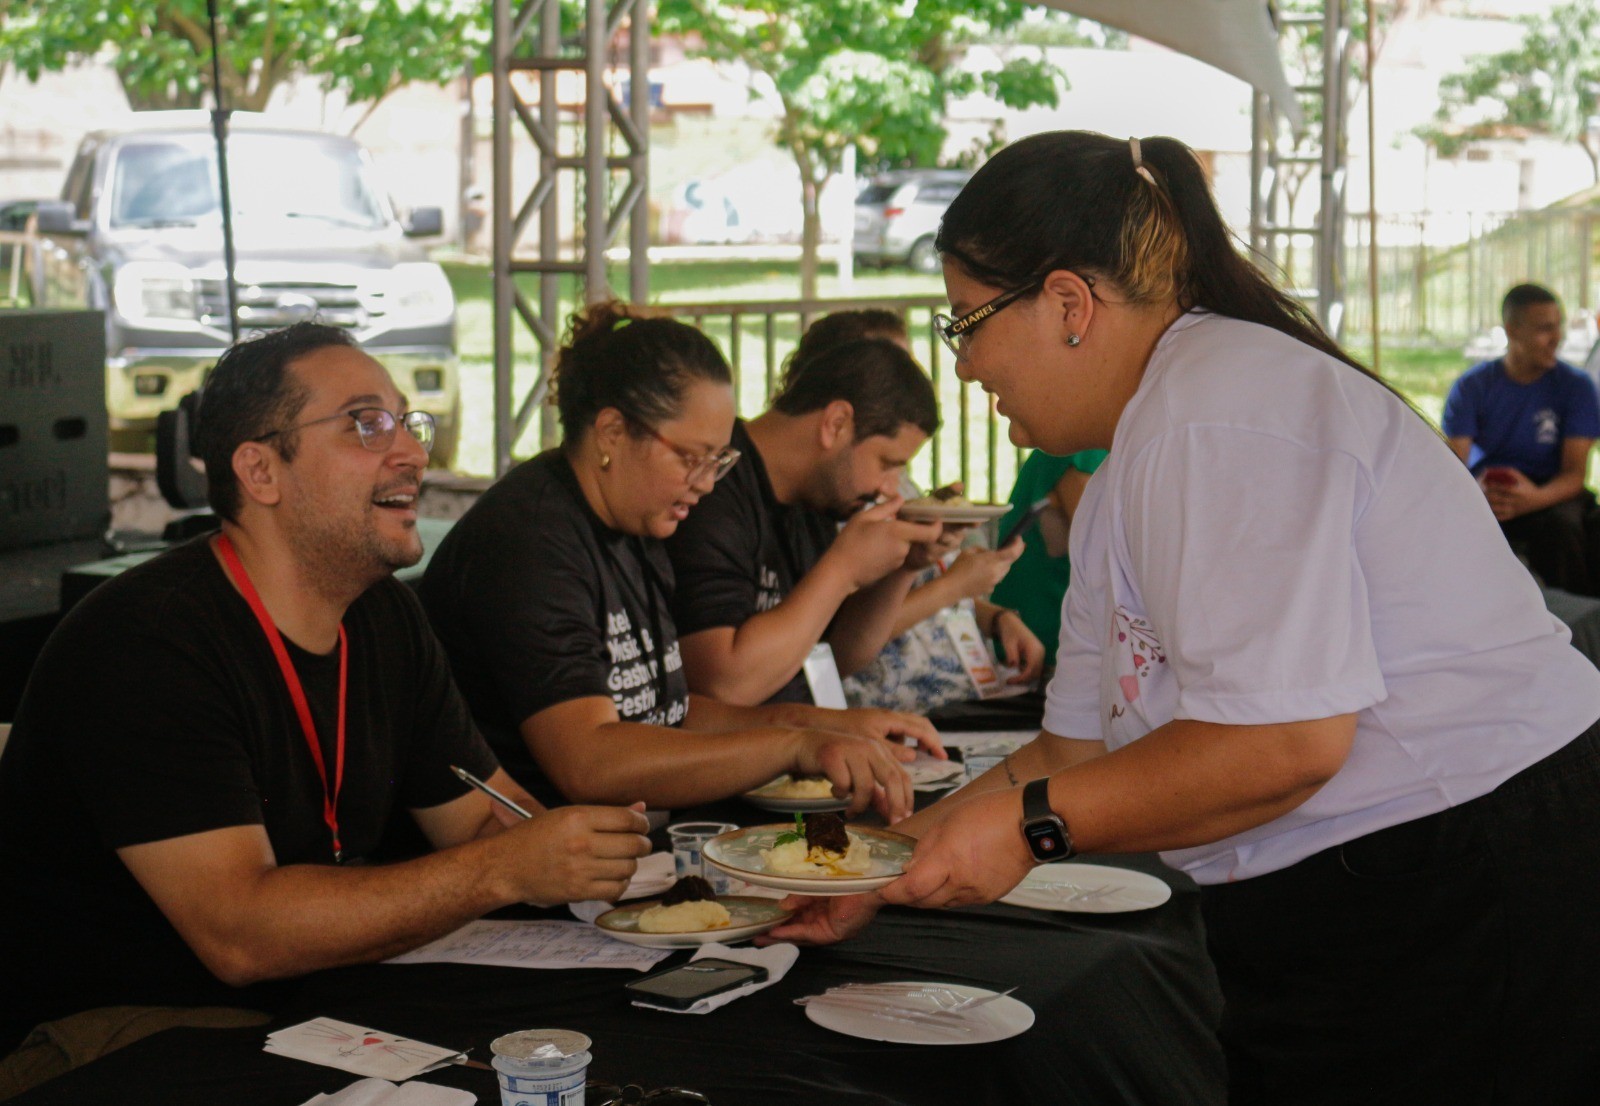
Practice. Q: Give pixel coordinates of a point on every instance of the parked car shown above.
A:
(139, 224)
(898, 213)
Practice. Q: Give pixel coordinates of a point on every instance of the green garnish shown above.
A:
(796, 834)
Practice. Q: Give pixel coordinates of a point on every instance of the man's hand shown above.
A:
(1510, 493)
(886, 725)
(975, 855)
(980, 570)
(924, 554)
(1020, 647)
(874, 542)
(572, 853)
(865, 770)
(823, 921)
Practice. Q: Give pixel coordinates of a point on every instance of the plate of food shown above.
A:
(790, 795)
(954, 510)
(691, 914)
(816, 854)
(1088, 889)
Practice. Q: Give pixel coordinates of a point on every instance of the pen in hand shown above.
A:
(469, 778)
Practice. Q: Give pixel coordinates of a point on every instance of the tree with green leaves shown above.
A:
(1548, 84)
(877, 75)
(161, 49)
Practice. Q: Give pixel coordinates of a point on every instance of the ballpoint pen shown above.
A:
(469, 778)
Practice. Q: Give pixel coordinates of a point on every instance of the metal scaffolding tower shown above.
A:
(1324, 96)
(527, 40)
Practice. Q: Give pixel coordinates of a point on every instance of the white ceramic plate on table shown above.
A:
(1088, 889)
(1001, 1017)
(747, 917)
(738, 853)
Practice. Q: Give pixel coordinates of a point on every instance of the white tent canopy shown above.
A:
(1235, 36)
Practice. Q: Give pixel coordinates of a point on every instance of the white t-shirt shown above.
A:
(1276, 537)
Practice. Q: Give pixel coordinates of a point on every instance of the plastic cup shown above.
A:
(541, 1067)
(688, 852)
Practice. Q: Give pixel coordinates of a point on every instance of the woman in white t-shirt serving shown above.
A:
(1297, 657)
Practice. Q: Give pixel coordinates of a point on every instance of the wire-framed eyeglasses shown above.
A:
(375, 426)
(698, 465)
(957, 333)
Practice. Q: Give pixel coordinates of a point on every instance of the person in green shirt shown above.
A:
(1036, 585)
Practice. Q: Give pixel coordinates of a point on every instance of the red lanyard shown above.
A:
(330, 802)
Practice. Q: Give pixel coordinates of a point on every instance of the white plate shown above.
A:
(747, 917)
(779, 804)
(993, 1021)
(970, 513)
(1088, 889)
(739, 854)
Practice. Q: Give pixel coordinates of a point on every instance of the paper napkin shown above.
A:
(381, 1092)
(777, 959)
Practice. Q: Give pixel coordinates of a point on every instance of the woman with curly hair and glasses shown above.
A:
(553, 598)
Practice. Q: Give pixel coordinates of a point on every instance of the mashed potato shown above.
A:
(807, 787)
(793, 858)
(685, 917)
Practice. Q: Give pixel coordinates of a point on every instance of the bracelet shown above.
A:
(994, 623)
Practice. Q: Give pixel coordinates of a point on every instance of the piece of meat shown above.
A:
(826, 831)
(689, 889)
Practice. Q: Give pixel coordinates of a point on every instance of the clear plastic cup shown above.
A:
(541, 1067)
(688, 852)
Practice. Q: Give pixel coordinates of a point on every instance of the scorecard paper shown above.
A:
(538, 944)
(357, 1049)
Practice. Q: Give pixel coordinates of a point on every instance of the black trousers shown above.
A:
(1452, 960)
(1558, 543)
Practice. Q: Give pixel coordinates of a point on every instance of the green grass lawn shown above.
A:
(1424, 375)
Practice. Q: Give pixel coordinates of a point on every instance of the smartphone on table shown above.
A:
(681, 987)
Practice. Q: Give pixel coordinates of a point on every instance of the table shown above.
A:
(1126, 1005)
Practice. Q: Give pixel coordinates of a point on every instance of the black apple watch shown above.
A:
(1043, 829)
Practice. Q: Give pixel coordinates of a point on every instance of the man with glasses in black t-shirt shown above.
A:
(764, 569)
(212, 742)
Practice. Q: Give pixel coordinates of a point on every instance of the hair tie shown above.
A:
(620, 323)
(1138, 160)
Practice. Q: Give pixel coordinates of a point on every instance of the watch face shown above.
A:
(1045, 839)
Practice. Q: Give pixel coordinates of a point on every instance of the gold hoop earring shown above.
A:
(1073, 340)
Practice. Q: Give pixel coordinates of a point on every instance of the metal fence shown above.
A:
(1441, 275)
(759, 335)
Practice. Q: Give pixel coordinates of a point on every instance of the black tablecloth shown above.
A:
(1126, 1007)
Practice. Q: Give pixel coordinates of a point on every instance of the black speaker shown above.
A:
(54, 480)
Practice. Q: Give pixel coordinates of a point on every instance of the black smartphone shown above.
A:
(1029, 519)
(681, 987)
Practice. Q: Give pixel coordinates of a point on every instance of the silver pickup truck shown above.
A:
(138, 232)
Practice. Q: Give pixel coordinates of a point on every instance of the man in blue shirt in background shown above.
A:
(1524, 424)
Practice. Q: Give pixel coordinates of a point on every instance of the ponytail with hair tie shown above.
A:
(1138, 161)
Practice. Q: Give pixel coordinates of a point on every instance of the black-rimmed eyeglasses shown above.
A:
(375, 426)
(957, 333)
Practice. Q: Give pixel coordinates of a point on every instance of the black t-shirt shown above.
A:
(157, 710)
(740, 552)
(538, 602)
